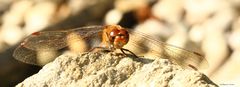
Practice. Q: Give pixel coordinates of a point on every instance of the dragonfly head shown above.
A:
(118, 36)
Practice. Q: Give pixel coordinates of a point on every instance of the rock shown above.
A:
(170, 11)
(197, 11)
(113, 69)
(229, 67)
(38, 17)
(196, 33)
(155, 28)
(113, 17)
(128, 5)
(11, 34)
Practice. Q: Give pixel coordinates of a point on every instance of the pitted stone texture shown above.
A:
(112, 69)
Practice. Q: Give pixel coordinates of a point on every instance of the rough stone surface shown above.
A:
(112, 69)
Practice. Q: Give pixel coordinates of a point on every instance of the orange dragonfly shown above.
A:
(110, 37)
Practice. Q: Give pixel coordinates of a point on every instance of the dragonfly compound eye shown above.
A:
(124, 34)
(121, 39)
(113, 34)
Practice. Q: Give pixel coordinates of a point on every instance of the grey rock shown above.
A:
(113, 69)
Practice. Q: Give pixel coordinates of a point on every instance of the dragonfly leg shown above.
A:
(122, 49)
(193, 67)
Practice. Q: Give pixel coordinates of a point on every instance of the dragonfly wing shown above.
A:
(25, 55)
(45, 40)
(35, 47)
(84, 38)
(49, 43)
(142, 43)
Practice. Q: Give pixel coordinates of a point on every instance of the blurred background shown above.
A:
(209, 27)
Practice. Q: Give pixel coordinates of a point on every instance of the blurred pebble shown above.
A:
(39, 16)
(235, 3)
(12, 19)
(154, 28)
(63, 12)
(214, 44)
(16, 12)
(11, 34)
(216, 50)
(196, 33)
(236, 24)
(234, 40)
(76, 5)
(179, 38)
(113, 17)
(4, 4)
(143, 13)
(128, 5)
(234, 37)
(168, 10)
(230, 68)
(198, 11)
(215, 47)
(232, 64)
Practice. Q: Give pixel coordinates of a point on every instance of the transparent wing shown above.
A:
(141, 43)
(29, 49)
(52, 42)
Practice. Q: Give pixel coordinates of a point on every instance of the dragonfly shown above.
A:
(110, 37)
